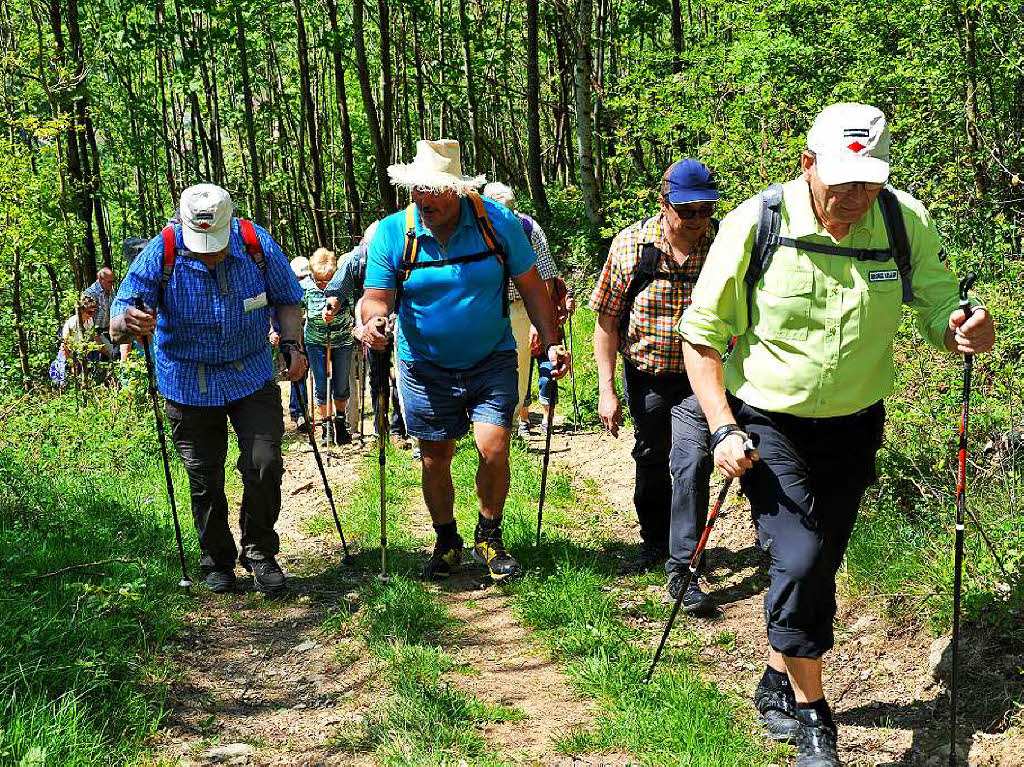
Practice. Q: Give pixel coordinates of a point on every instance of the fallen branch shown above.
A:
(85, 565)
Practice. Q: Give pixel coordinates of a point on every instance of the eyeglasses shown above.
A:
(855, 186)
(687, 210)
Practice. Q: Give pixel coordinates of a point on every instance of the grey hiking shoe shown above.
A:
(445, 560)
(817, 741)
(776, 707)
(221, 581)
(267, 575)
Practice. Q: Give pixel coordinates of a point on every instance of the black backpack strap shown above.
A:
(766, 239)
(453, 260)
(861, 254)
(646, 270)
(896, 228)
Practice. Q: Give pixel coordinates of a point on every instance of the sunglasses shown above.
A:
(687, 211)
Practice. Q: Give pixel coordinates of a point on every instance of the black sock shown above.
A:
(487, 525)
(774, 679)
(820, 707)
(446, 532)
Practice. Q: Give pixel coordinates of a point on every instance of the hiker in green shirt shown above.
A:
(806, 378)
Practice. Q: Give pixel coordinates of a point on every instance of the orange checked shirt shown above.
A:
(650, 341)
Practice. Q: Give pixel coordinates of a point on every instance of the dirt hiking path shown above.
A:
(878, 678)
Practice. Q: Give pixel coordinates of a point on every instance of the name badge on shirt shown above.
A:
(885, 276)
(256, 302)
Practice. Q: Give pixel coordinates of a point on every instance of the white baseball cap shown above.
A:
(300, 267)
(850, 143)
(205, 212)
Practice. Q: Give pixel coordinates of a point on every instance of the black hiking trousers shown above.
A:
(673, 467)
(804, 495)
(200, 435)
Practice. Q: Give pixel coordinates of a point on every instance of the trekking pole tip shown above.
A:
(185, 583)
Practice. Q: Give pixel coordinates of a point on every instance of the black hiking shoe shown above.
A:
(445, 560)
(648, 560)
(302, 425)
(221, 581)
(776, 708)
(267, 575)
(695, 601)
(489, 549)
(816, 741)
(341, 435)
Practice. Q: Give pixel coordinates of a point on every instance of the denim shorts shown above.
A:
(440, 403)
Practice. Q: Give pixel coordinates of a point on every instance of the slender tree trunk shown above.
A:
(421, 109)
(309, 113)
(255, 174)
(973, 132)
(387, 97)
(341, 96)
(389, 200)
(19, 323)
(585, 115)
(677, 36)
(471, 101)
(534, 172)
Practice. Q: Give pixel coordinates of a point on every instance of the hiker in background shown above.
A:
(456, 353)
(103, 291)
(344, 289)
(300, 268)
(642, 291)
(525, 334)
(206, 283)
(325, 329)
(814, 323)
(77, 334)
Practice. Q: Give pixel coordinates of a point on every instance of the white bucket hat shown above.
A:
(205, 212)
(850, 143)
(300, 266)
(438, 167)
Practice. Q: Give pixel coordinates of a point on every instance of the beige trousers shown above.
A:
(521, 332)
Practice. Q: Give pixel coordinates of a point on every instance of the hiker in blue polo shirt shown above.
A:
(211, 279)
(456, 353)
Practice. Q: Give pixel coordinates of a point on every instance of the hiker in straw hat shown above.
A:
(456, 353)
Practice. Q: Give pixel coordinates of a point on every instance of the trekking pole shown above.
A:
(961, 498)
(306, 410)
(185, 582)
(380, 360)
(572, 380)
(698, 554)
(330, 399)
(362, 393)
(547, 455)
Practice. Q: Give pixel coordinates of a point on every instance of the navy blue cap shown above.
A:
(688, 181)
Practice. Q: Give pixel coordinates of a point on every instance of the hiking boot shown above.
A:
(489, 549)
(647, 560)
(267, 575)
(523, 429)
(221, 581)
(776, 708)
(445, 560)
(695, 601)
(302, 425)
(341, 435)
(816, 741)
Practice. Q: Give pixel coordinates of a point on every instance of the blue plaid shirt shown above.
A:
(211, 332)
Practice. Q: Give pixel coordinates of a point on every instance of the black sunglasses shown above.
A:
(687, 211)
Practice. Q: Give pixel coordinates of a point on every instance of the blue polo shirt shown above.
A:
(450, 315)
(212, 328)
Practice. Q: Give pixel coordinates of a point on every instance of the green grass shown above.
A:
(82, 675)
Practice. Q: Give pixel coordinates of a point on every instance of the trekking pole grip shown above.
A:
(965, 285)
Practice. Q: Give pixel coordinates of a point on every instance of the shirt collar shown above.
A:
(803, 222)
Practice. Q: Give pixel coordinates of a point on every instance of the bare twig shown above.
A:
(85, 565)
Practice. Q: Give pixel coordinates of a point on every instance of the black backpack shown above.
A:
(767, 241)
(646, 273)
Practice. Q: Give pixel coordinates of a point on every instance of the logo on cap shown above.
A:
(857, 147)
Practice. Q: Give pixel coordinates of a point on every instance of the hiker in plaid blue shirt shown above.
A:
(212, 279)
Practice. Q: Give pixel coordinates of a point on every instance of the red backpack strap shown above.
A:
(252, 244)
(170, 240)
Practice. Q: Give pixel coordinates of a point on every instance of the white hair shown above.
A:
(500, 192)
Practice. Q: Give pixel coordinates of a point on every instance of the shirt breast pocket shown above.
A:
(881, 294)
(783, 304)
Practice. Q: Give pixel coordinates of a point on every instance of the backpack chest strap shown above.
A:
(861, 254)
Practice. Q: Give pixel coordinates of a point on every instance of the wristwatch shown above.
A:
(724, 431)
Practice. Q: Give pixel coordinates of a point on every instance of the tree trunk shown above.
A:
(389, 200)
(309, 114)
(352, 202)
(534, 174)
(677, 36)
(387, 97)
(467, 69)
(584, 114)
(973, 132)
(19, 324)
(255, 174)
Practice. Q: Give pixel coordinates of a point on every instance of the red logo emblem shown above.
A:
(857, 147)
(204, 226)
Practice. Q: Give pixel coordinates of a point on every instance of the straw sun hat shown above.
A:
(438, 167)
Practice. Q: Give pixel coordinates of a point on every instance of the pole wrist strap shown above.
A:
(724, 431)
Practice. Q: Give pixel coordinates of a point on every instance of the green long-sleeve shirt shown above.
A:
(820, 343)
